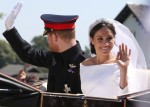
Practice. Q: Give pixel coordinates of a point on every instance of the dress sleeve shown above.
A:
(122, 91)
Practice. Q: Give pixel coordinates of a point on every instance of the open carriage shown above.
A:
(14, 93)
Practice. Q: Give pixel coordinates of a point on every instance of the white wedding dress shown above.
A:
(101, 80)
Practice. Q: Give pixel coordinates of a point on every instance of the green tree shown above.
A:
(7, 55)
(87, 50)
(1, 15)
(40, 42)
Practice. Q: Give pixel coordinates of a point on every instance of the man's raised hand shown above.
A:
(12, 16)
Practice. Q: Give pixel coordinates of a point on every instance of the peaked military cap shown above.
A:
(54, 22)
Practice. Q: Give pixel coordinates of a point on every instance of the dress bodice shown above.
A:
(100, 80)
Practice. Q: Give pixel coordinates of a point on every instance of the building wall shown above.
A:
(142, 37)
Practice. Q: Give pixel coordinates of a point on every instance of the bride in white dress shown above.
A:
(112, 71)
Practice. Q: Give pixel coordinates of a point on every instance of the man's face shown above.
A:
(53, 46)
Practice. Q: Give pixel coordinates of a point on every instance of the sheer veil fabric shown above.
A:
(137, 71)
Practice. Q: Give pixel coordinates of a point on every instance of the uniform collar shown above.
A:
(71, 52)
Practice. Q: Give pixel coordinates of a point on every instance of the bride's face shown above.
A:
(103, 40)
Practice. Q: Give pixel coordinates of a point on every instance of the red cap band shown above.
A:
(60, 26)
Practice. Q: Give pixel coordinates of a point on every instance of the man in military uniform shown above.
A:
(63, 59)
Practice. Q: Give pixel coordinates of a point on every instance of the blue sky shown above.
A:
(29, 23)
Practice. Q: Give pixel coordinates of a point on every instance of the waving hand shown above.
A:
(12, 16)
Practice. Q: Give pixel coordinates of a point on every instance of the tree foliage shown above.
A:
(7, 55)
(40, 42)
(1, 15)
(87, 50)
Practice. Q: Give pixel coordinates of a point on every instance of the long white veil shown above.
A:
(137, 71)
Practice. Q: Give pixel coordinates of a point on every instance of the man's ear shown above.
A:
(56, 36)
